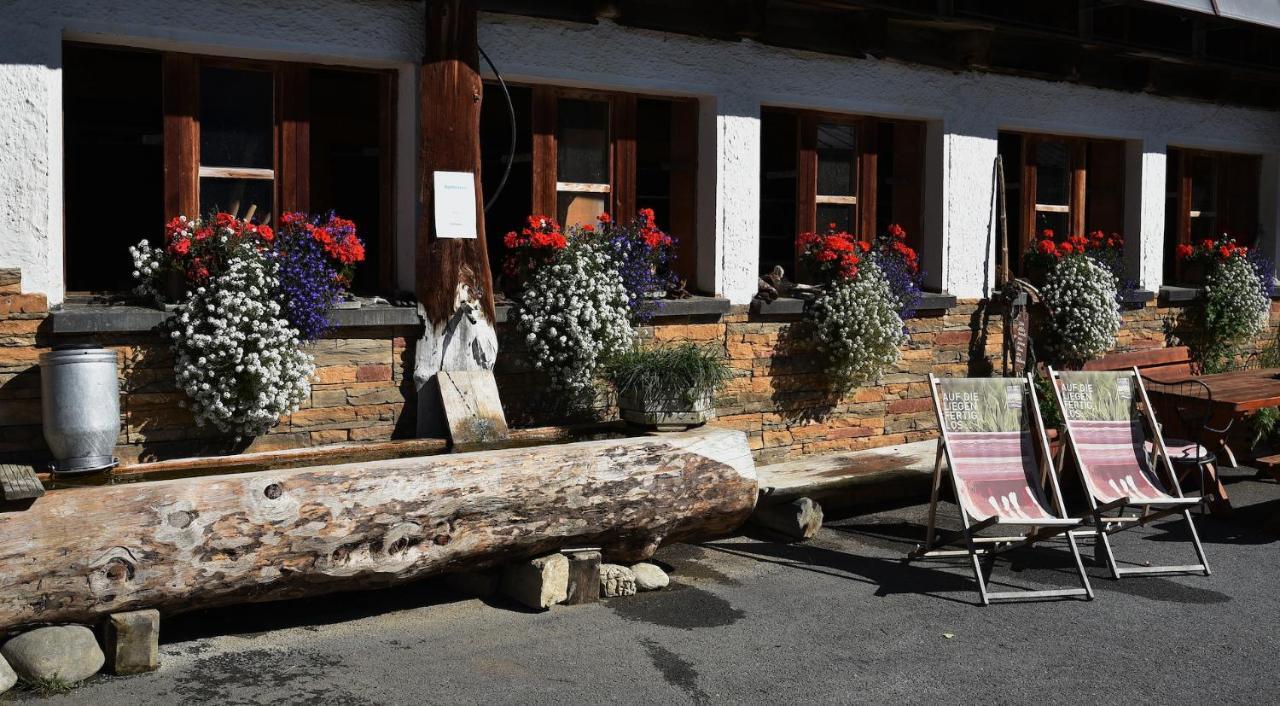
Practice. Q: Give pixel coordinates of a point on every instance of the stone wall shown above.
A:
(363, 386)
(779, 395)
(359, 392)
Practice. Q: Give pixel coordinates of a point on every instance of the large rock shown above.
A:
(799, 519)
(538, 583)
(649, 577)
(7, 676)
(67, 652)
(616, 580)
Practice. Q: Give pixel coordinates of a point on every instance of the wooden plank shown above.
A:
(181, 135)
(868, 176)
(1028, 236)
(1142, 358)
(293, 83)
(388, 99)
(544, 150)
(806, 180)
(622, 129)
(684, 188)
(908, 179)
(18, 482)
(1079, 184)
(472, 406)
(237, 173)
(179, 545)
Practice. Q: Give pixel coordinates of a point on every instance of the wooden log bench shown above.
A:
(78, 554)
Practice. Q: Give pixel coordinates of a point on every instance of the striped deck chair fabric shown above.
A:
(1105, 429)
(1101, 411)
(992, 449)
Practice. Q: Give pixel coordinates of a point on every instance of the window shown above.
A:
(1069, 185)
(582, 153)
(1209, 194)
(861, 174)
(185, 134)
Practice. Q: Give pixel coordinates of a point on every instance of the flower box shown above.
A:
(666, 414)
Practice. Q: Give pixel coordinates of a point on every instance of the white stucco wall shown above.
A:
(965, 111)
(371, 33)
(732, 80)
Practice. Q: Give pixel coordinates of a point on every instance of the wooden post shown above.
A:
(453, 282)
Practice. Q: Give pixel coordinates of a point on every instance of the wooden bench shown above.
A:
(1172, 363)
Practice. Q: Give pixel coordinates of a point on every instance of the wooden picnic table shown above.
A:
(1235, 394)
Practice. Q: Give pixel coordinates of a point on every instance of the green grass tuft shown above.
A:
(52, 686)
(682, 372)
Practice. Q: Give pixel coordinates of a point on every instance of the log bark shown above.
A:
(177, 545)
(453, 283)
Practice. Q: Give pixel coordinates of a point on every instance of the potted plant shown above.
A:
(670, 388)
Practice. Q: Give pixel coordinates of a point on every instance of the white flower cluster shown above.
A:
(1084, 316)
(235, 356)
(147, 264)
(1236, 310)
(573, 315)
(858, 327)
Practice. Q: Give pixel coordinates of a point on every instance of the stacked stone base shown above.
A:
(363, 389)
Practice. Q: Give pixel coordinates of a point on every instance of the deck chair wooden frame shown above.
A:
(1101, 503)
(1048, 523)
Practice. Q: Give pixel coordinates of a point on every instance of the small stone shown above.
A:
(66, 652)
(616, 580)
(132, 642)
(476, 584)
(538, 583)
(649, 577)
(7, 676)
(584, 577)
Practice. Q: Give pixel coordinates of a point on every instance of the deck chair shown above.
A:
(989, 429)
(1104, 424)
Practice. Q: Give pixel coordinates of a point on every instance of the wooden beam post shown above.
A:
(453, 282)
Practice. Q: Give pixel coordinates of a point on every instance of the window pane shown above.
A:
(575, 208)
(113, 120)
(1052, 173)
(236, 118)
(838, 214)
(1060, 223)
(348, 161)
(582, 147)
(235, 196)
(778, 191)
(1202, 184)
(836, 154)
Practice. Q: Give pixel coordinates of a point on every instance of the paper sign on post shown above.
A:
(455, 201)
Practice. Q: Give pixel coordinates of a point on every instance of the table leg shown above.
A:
(1220, 504)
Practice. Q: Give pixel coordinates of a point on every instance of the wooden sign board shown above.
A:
(472, 407)
(19, 483)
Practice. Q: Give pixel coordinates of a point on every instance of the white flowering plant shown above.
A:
(1083, 314)
(1236, 311)
(857, 325)
(574, 313)
(235, 355)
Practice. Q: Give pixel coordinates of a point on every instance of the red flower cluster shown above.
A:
(835, 254)
(1077, 244)
(897, 243)
(536, 243)
(193, 249)
(650, 232)
(1224, 248)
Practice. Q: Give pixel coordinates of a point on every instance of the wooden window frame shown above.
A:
(1222, 173)
(623, 167)
(808, 199)
(1075, 208)
(291, 149)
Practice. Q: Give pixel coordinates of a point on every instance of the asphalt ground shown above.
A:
(748, 619)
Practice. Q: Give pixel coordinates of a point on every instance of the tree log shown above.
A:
(177, 545)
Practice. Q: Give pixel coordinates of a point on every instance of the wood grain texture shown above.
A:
(450, 95)
(179, 545)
